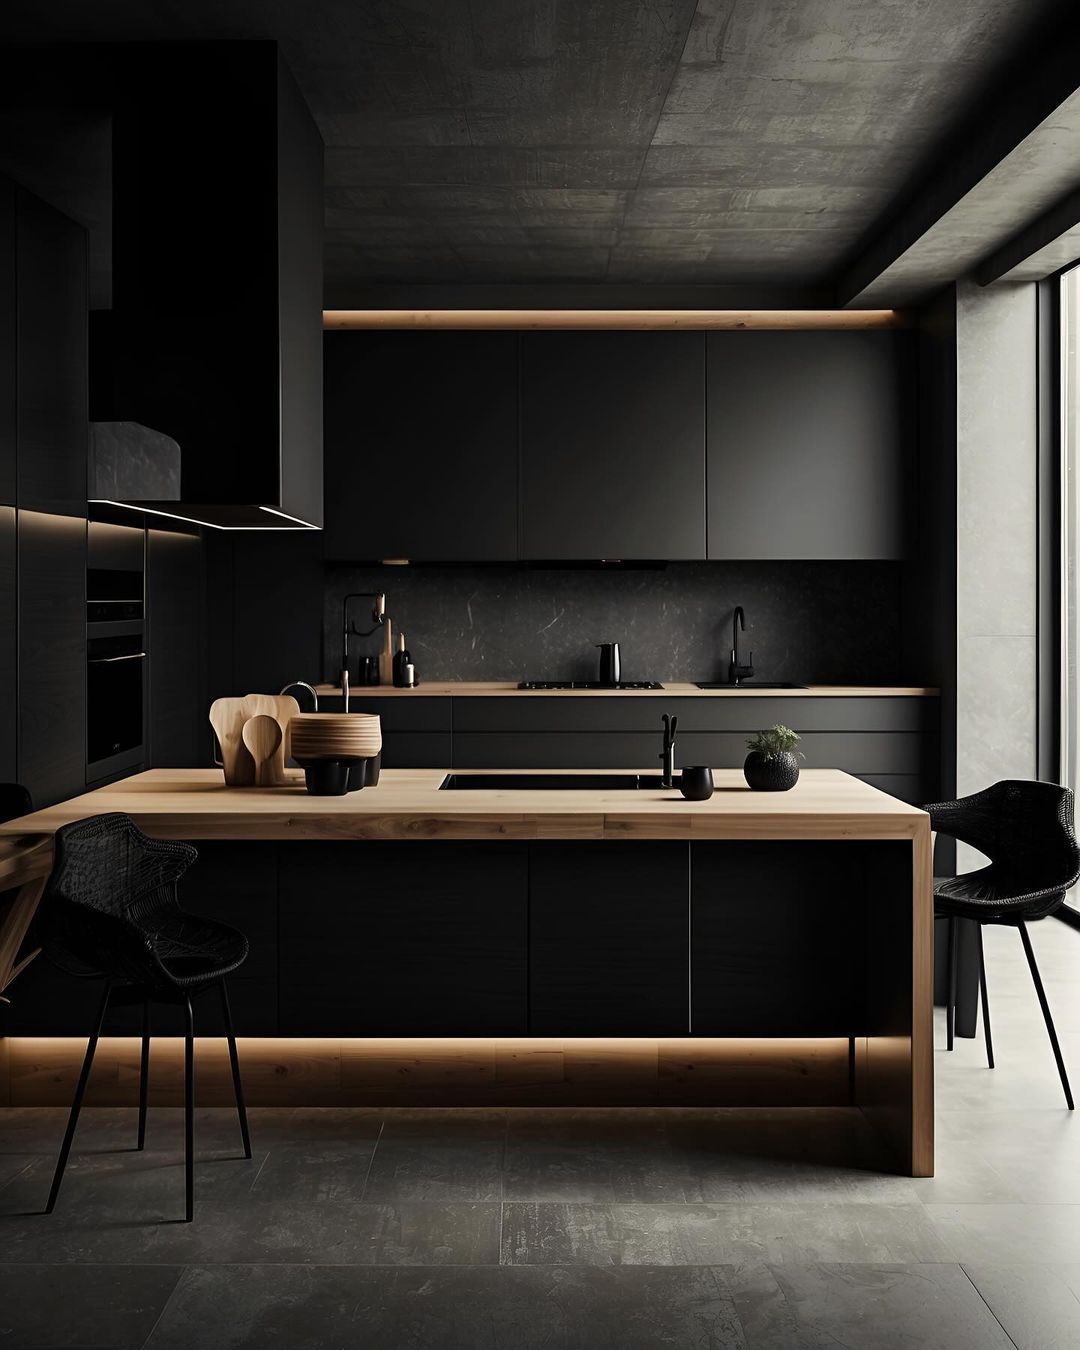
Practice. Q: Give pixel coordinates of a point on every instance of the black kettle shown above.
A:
(610, 663)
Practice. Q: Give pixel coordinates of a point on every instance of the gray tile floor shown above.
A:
(591, 1230)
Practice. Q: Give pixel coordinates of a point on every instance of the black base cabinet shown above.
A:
(888, 741)
(783, 916)
(549, 938)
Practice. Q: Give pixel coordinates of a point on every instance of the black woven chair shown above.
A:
(1026, 830)
(111, 912)
(15, 801)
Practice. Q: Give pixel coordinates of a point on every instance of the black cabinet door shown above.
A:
(612, 445)
(9, 364)
(52, 359)
(779, 937)
(179, 734)
(52, 655)
(608, 939)
(384, 939)
(421, 446)
(808, 444)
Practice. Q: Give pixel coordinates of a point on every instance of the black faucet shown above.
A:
(348, 630)
(668, 757)
(736, 671)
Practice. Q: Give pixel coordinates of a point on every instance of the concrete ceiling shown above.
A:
(698, 142)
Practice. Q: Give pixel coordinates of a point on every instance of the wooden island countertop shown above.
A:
(408, 804)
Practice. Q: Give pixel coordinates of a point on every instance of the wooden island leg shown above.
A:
(13, 929)
(895, 1060)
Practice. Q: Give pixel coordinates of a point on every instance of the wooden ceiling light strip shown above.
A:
(626, 319)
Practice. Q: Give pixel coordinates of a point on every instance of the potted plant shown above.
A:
(773, 762)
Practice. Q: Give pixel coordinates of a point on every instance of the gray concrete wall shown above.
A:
(996, 534)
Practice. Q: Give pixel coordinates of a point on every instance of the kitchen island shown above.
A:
(613, 912)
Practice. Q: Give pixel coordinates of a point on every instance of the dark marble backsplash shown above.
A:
(812, 622)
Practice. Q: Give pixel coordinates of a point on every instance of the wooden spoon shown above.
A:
(263, 737)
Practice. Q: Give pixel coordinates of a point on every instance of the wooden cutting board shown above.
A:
(228, 716)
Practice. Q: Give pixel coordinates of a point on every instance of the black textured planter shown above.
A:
(775, 773)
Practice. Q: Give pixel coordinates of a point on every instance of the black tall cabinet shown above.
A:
(43, 445)
(612, 446)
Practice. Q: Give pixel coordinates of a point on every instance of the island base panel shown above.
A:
(804, 942)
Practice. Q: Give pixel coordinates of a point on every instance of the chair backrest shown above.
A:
(106, 863)
(15, 801)
(106, 875)
(1024, 827)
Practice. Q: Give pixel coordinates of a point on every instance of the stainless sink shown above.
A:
(555, 782)
(749, 686)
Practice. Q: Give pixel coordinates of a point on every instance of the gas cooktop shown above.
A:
(588, 684)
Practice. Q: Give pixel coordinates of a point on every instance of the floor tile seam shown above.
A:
(987, 1306)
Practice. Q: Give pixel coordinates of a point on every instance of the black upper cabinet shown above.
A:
(612, 446)
(809, 437)
(51, 335)
(421, 446)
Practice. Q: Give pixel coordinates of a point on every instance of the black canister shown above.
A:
(696, 784)
(610, 663)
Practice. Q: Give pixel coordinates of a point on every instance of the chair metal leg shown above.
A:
(76, 1105)
(985, 1002)
(144, 1072)
(189, 1108)
(1046, 1012)
(234, 1059)
(851, 1070)
(950, 1005)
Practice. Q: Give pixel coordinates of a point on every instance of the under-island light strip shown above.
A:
(731, 320)
(209, 524)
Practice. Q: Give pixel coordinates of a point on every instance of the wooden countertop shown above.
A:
(407, 804)
(468, 689)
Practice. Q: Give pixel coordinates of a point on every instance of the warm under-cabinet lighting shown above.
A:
(616, 319)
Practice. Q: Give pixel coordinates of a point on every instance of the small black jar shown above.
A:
(696, 783)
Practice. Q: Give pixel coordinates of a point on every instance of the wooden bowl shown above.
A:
(335, 736)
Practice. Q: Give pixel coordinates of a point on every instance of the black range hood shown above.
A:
(215, 336)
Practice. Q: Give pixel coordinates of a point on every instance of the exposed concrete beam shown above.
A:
(1019, 99)
(1050, 242)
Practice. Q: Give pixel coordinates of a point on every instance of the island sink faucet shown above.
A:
(737, 672)
(668, 756)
